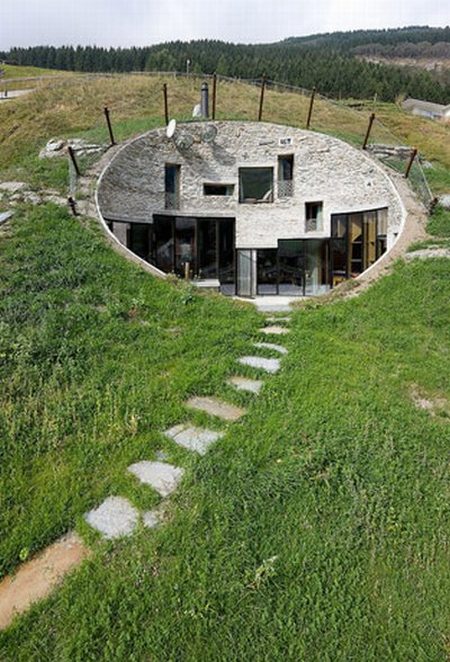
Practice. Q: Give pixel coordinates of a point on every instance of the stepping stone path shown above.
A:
(115, 517)
(215, 407)
(192, 438)
(268, 365)
(275, 330)
(244, 384)
(164, 478)
(270, 345)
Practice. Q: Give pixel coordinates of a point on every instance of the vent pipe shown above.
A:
(205, 100)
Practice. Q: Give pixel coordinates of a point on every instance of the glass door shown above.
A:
(267, 271)
(185, 252)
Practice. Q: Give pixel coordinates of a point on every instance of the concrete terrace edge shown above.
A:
(412, 227)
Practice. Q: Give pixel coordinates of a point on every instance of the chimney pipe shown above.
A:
(204, 105)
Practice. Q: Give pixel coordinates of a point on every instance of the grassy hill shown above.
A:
(73, 108)
(11, 75)
(16, 71)
(316, 529)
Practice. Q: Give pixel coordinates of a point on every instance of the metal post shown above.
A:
(369, 129)
(166, 104)
(74, 161)
(205, 100)
(108, 122)
(72, 205)
(411, 161)
(311, 105)
(214, 96)
(261, 100)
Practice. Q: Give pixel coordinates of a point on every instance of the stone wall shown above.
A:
(325, 169)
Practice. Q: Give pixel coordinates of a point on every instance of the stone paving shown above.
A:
(275, 330)
(215, 407)
(114, 518)
(268, 365)
(192, 438)
(244, 384)
(163, 477)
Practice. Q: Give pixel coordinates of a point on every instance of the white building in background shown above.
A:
(434, 111)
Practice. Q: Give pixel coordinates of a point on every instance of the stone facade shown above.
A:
(132, 187)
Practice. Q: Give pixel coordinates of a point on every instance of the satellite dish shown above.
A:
(209, 134)
(171, 127)
(184, 141)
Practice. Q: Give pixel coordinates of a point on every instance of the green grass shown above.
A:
(317, 529)
(73, 314)
(74, 108)
(19, 71)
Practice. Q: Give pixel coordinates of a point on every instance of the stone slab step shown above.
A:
(192, 438)
(244, 384)
(215, 407)
(271, 345)
(36, 578)
(114, 518)
(275, 330)
(268, 365)
(163, 477)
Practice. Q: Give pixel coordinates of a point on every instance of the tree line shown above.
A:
(332, 70)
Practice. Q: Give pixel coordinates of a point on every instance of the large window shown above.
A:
(357, 241)
(202, 247)
(255, 185)
(172, 186)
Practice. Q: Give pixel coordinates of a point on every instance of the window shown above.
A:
(313, 215)
(255, 185)
(172, 186)
(286, 176)
(218, 189)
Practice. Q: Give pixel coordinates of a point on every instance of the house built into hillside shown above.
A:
(250, 208)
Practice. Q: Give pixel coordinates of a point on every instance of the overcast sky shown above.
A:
(146, 22)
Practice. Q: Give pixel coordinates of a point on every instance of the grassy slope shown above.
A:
(136, 105)
(317, 529)
(13, 74)
(16, 71)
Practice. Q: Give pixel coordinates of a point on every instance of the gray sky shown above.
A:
(146, 22)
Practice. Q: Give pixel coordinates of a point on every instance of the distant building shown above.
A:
(434, 111)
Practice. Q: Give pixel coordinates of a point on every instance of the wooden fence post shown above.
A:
(166, 104)
(108, 122)
(74, 161)
(311, 106)
(261, 100)
(369, 129)
(411, 161)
